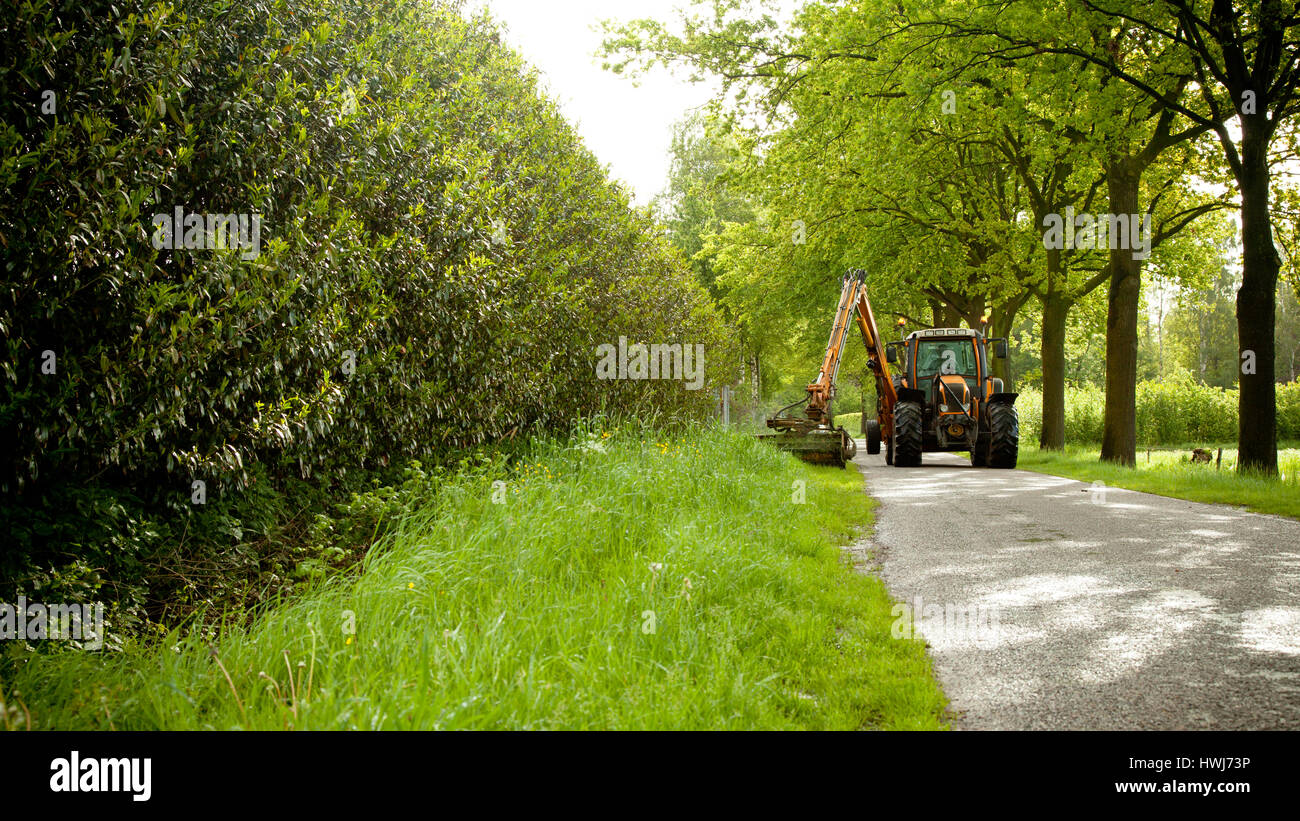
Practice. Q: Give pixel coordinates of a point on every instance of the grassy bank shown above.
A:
(621, 581)
(1171, 473)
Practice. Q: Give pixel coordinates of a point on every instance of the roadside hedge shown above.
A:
(1174, 411)
(440, 257)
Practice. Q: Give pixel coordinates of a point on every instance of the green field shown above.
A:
(616, 581)
(1171, 473)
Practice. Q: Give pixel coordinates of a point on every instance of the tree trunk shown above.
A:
(1119, 432)
(951, 317)
(1055, 311)
(1256, 306)
(936, 313)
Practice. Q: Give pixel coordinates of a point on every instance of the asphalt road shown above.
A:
(1068, 606)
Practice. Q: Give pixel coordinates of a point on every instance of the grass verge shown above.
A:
(1171, 473)
(614, 581)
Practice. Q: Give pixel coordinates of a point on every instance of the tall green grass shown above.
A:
(618, 580)
(1172, 473)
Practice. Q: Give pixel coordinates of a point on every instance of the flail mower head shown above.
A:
(812, 440)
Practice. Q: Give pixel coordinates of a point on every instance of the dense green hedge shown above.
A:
(1084, 407)
(1288, 411)
(1169, 412)
(423, 206)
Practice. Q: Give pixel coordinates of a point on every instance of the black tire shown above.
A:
(979, 455)
(907, 435)
(889, 451)
(873, 436)
(1004, 436)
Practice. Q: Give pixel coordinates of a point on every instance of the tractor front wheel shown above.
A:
(907, 435)
(1004, 436)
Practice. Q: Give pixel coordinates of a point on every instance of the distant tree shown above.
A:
(1287, 334)
(700, 199)
(1201, 332)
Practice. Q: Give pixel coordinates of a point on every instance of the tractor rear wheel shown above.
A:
(1004, 436)
(979, 454)
(907, 435)
(873, 436)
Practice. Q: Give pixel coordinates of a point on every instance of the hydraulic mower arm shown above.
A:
(813, 436)
(876, 359)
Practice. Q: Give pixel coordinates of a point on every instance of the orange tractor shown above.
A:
(943, 397)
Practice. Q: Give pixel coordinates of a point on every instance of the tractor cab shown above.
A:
(951, 356)
(957, 358)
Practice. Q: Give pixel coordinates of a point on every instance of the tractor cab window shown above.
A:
(945, 356)
(955, 356)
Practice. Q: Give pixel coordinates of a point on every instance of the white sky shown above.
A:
(629, 127)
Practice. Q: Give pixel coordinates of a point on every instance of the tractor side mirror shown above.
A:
(891, 354)
(1000, 348)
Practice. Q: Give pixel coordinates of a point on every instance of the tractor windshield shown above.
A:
(947, 356)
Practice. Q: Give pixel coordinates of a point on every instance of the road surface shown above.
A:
(1053, 604)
